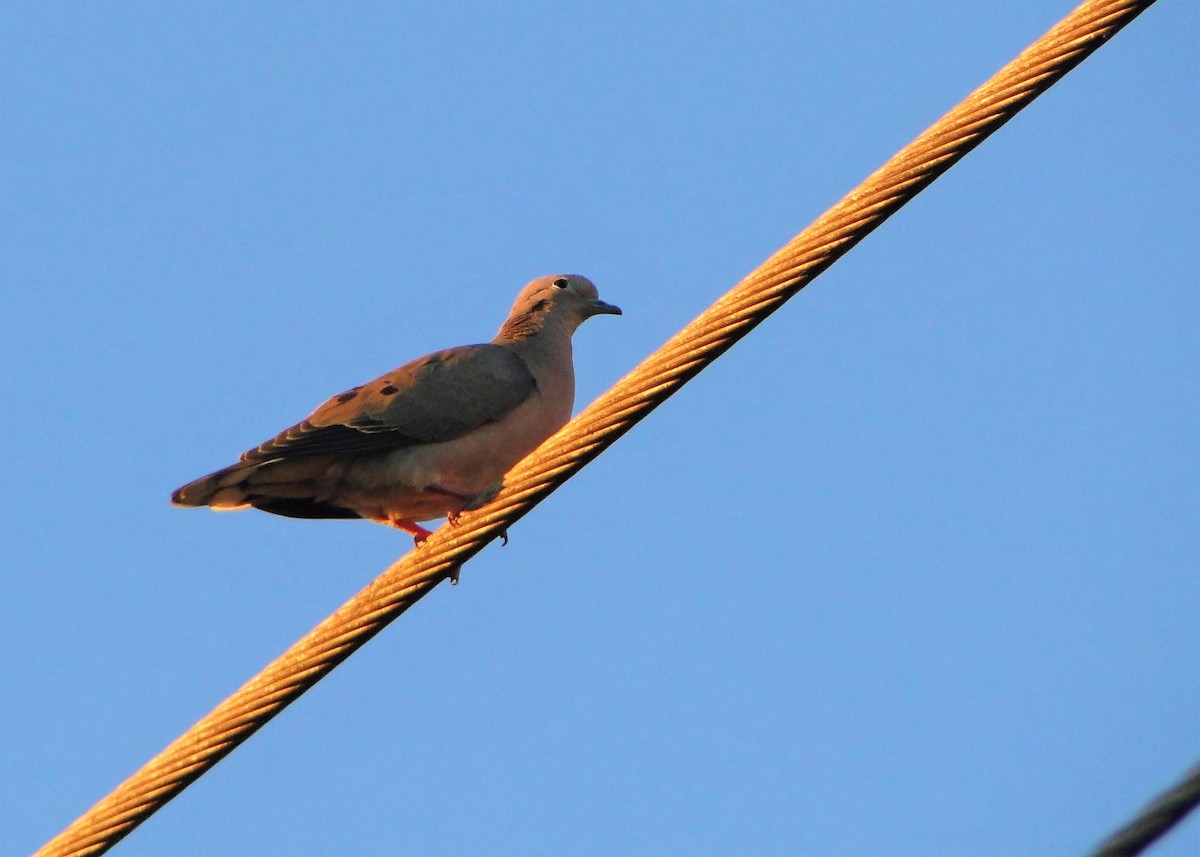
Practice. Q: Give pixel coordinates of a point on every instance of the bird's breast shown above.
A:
(479, 459)
(468, 465)
(397, 482)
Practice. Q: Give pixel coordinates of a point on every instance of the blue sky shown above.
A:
(910, 571)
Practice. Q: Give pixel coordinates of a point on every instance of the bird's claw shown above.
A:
(454, 517)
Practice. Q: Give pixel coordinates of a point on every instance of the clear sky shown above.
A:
(910, 571)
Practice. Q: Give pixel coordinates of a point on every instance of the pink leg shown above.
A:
(420, 534)
(411, 527)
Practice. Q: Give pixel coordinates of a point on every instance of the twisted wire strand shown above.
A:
(1155, 819)
(609, 417)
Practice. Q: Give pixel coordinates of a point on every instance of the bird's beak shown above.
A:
(599, 307)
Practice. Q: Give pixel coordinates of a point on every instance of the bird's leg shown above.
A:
(411, 527)
(468, 502)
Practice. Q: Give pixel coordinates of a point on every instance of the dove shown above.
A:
(427, 440)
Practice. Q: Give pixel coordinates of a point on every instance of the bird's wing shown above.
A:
(435, 398)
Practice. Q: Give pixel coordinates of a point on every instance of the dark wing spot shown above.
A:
(389, 390)
(348, 395)
(365, 424)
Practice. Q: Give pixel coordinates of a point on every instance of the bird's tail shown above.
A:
(225, 489)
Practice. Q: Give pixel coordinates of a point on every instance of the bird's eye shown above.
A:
(560, 283)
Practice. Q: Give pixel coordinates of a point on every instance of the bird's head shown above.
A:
(566, 300)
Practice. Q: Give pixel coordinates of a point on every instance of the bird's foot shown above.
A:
(453, 518)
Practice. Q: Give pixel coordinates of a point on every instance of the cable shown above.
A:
(614, 413)
(1155, 819)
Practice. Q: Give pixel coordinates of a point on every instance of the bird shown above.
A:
(429, 439)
